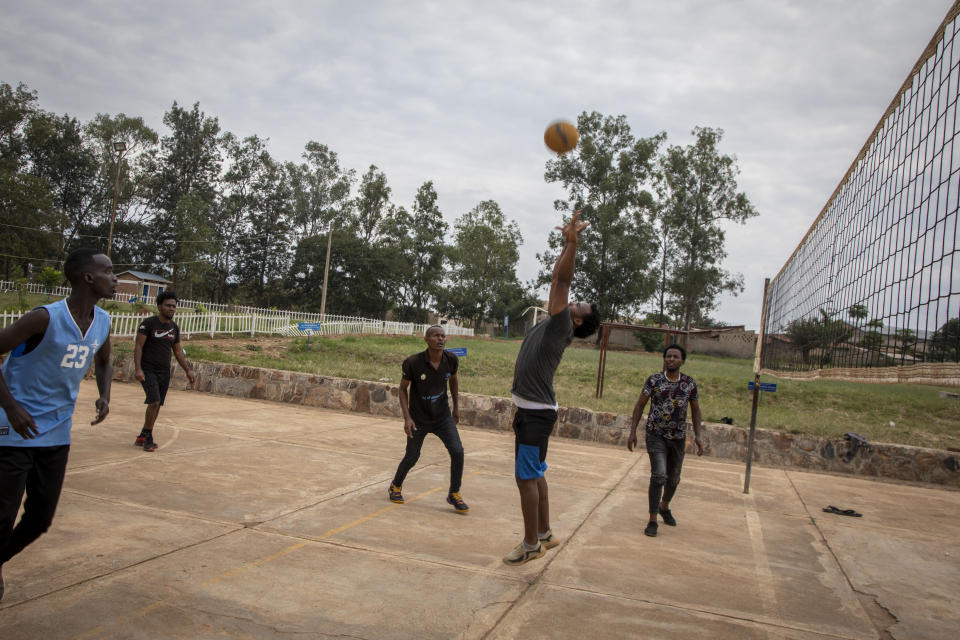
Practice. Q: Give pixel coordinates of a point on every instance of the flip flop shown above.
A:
(842, 512)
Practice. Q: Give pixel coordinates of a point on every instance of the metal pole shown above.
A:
(602, 367)
(113, 213)
(757, 362)
(326, 275)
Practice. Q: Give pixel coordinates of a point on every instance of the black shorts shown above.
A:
(532, 428)
(155, 384)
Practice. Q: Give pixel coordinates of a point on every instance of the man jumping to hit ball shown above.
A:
(534, 398)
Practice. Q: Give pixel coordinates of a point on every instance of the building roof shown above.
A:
(143, 275)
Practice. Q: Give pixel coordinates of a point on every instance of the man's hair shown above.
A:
(683, 352)
(76, 262)
(590, 323)
(432, 327)
(163, 296)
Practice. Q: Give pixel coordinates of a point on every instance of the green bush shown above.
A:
(49, 277)
(650, 340)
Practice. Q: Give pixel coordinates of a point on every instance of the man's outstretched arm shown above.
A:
(563, 269)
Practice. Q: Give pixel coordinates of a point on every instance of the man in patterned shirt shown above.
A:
(670, 392)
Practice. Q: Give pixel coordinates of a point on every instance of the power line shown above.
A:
(116, 264)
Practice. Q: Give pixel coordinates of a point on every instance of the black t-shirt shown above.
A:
(161, 336)
(428, 386)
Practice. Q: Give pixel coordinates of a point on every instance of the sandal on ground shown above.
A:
(842, 512)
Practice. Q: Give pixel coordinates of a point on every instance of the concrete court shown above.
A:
(264, 520)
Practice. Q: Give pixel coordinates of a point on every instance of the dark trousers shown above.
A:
(39, 472)
(666, 460)
(448, 434)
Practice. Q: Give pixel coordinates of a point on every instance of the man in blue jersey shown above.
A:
(535, 400)
(50, 349)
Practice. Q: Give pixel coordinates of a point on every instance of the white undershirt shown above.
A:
(523, 403)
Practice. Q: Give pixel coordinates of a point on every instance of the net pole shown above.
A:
(602, 367)
(757, 363)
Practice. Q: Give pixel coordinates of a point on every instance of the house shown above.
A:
(140, 286)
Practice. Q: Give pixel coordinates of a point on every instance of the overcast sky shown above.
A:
(459, 92)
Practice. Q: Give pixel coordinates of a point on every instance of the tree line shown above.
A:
(223, 219)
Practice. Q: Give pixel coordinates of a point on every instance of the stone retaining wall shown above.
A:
(773, 448)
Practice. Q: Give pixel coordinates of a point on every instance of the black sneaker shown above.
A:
(651, 530)
(457, 502)
(668, 518)
(395, 495)
(140, 440)
(149, 444)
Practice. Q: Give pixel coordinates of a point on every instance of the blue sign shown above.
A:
(458, 351)
(764, 386)
(309, 326)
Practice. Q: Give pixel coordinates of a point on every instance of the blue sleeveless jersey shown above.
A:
(46, 381)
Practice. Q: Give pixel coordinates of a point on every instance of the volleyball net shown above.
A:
(872, 292)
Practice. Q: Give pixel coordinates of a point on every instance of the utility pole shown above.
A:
(326, 274)
(120, 146)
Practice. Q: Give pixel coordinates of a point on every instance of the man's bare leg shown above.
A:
(530, 505)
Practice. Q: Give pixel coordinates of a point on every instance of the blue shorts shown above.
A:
(532, 428)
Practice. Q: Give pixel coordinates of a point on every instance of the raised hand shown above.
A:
(572, 229)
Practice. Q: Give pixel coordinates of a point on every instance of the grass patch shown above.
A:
(818, 407)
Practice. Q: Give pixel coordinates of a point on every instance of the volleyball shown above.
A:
(561, 136)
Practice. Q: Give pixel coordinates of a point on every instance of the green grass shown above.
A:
(818, 407)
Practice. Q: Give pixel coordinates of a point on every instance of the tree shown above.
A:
(857, 311)
(482, 282)
(944, 345)
(418, 239)
(57, 156)
(372, 203)
(265, 256)
(908, 341)
(50, 278)
(605, 177)
(872, 339)
(321, 189)
(822, 333)
(132, 188)
(350, 290)
(698, 189)
(183, 187)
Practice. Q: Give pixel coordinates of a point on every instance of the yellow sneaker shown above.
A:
(457, 502)
(395, 495)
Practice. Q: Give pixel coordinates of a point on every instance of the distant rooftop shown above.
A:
(143, 275)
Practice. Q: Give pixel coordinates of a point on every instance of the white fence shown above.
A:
(222, 318)
(35, 287)
(211, 324)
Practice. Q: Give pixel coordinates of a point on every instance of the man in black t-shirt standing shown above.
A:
(423, 401)
(157, 338)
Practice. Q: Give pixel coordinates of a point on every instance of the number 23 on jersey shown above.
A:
(76, 356)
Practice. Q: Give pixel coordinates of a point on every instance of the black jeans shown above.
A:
(448, 434)
(39, 471)
(666, 460)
